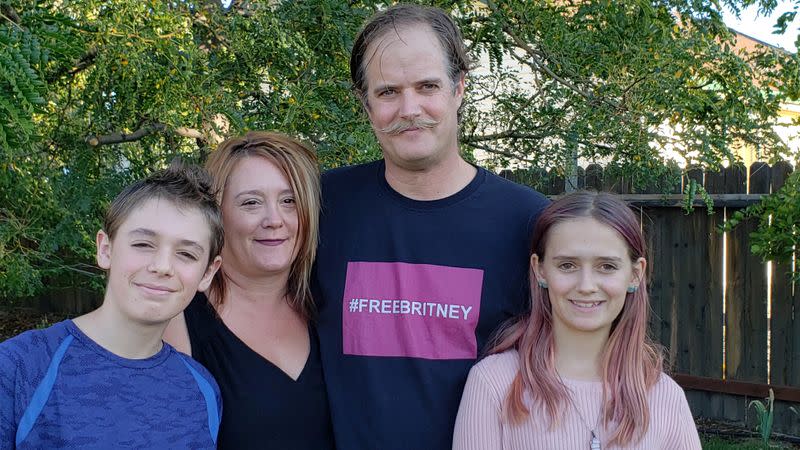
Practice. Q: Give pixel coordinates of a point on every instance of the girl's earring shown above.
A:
(632, 289)
(542, 284)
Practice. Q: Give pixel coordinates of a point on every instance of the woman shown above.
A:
(578, 372)
(251, 328)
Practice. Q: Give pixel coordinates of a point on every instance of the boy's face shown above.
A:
(156, 262)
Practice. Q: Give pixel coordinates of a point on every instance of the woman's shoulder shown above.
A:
(201, 319)
(199, 309)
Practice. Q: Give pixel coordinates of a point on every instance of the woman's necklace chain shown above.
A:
(594, 443)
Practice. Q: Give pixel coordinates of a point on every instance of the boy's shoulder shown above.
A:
(34, 345)
(24, 362)
(194, 367)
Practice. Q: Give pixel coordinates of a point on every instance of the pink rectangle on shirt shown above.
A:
(412, 310)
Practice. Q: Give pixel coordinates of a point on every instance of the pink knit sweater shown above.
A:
(481, 425)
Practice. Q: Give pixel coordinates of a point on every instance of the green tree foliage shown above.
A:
(97, 93)
(777, 236)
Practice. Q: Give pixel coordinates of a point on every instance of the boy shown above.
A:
(105, 379)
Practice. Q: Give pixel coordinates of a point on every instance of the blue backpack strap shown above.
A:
(42, 392)
(209, 396)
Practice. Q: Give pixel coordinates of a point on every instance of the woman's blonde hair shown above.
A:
(299, 164)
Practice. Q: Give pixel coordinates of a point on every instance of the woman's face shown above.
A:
(259, 214)
(588, 270)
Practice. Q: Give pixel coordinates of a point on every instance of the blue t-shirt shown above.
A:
(409, 292)
(61, 390)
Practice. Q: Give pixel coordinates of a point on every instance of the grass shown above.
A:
(719, 443)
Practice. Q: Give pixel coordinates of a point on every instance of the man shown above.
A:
(422, 255)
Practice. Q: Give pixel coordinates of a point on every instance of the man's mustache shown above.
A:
(401, 125)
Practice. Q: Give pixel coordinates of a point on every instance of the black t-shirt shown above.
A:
(262, 407)
(408, 293)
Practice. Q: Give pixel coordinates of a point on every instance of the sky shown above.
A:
(760, 27)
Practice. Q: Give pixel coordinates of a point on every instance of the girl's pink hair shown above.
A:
(631, 362)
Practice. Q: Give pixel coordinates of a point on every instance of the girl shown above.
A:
(578, 371)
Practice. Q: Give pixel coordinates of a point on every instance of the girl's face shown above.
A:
(588, 270)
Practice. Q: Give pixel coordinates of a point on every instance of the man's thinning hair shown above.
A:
(457, 62)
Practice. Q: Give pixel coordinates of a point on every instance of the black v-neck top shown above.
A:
(262, 406)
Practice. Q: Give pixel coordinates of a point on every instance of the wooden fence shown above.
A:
(730, 333)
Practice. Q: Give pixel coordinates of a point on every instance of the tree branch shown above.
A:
(542, 67)
(84, 62)
(635, 82)
(8, 13)
(119, 138)
(488, 149)
(510, 134)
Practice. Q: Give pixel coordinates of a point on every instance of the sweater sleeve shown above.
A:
(8, 425)
(479, 420)
(681, 432)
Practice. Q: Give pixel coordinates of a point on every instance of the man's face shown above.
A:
(411, 101)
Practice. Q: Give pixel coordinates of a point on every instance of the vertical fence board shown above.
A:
(625, 186)
(594, 177)
(785, 326)
(693, 174)
(785, 368)
(735, 179)
(736, 330)
(507, 174)
(612, 180)
(697, 296)
(658, 224)
(701, 311)
(786, 421)
(780, 172)
(699, 306)
(533, 177)
(746, 294)
(760, 178)
(581, 176)
(555, 183)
